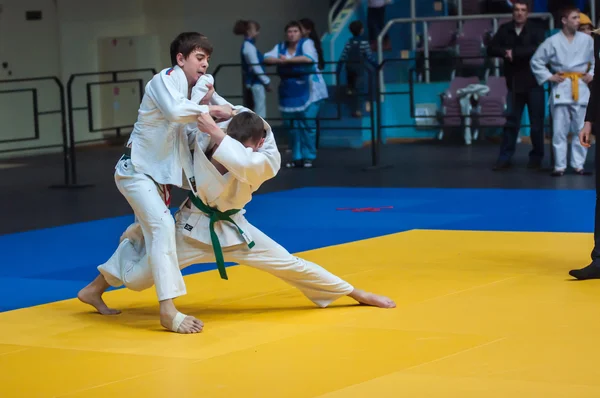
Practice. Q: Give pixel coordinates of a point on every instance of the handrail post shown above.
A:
(63, 129)
(71, 139)
(413, 27)
(496, 60)
(71, 132)
(426, 50)
(593, 11)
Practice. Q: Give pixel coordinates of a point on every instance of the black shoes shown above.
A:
(592, 271)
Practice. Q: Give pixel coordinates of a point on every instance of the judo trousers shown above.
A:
(568, 119)
(147, 199)
(130, 264)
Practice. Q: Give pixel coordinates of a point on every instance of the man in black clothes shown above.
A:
(591, 126)
(516, 42)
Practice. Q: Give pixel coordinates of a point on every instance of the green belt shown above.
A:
(126, 153)
(216, 215)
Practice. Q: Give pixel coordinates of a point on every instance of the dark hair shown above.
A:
(356, 27)
(187, 42)
(242, 26)
(293, 24)
(314, 36)
(522, 2)
(246, 126)
(567, 10)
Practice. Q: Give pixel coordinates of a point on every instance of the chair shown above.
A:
(450, 114)
(492, 107)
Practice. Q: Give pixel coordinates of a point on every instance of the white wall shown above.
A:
(68, 38)
(31, 49)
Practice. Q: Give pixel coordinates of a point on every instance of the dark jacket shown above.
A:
(519, 77)
(593, 113)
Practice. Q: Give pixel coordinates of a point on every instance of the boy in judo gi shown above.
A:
(228, 168)
(570, 55)
(151, 165)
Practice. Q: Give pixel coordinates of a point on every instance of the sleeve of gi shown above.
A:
(249, 167)
(540, 59)
(174, 106)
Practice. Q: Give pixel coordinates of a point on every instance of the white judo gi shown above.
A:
(247, 171)
(568, 99)
(154, 166)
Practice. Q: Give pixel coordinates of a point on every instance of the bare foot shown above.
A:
(92, 295)
(188, 325)
(372, 299)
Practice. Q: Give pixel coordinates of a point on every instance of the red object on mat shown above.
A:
(365, 209)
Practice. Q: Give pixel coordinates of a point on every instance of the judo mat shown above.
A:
(486, 307)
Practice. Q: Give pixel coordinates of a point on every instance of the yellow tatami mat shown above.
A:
(480, 314)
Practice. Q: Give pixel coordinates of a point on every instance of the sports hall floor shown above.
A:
(476, 261)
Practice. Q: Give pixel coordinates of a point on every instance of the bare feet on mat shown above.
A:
(372, 299)
(181, 323)
(92, 295)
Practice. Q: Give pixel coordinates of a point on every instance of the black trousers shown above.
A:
(596, 250)
(354, 84)
(534, 99)
(375, 21)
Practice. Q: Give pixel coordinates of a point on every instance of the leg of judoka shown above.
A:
(158, 229)
(130, 266)
(319, 285)
(92, 295)
(578, 151)
(110, 271)
(560, 123)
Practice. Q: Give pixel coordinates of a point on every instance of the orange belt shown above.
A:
(574, 76)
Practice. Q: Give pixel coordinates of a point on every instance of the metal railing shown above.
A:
(458, 18)
(370, 95)
(591, 2)
(37, 113)
(72, 183)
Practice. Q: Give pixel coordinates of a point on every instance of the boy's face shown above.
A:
(194, 66)
(571, 23)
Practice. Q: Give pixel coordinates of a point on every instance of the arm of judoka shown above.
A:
(218, 100)
(200, 89)
(197, 140)
(249, 167)
(538, 63)
(592, 71)
(174, 106)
